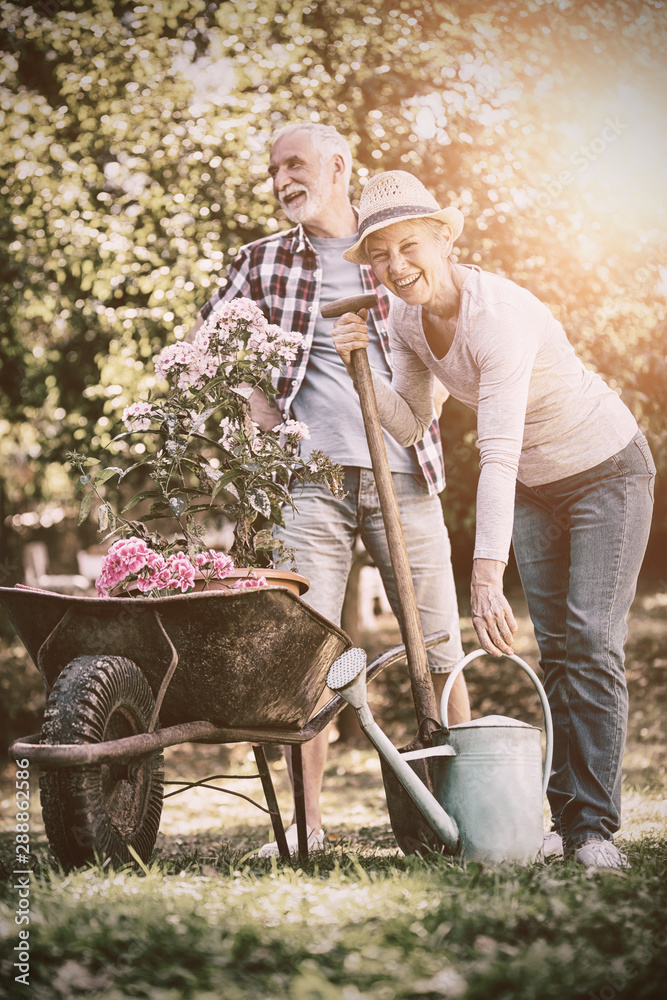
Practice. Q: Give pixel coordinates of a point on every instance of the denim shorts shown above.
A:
(323, 535)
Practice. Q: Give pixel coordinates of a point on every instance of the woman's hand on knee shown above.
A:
(492, 615)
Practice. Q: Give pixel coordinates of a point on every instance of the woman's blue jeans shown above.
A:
(579, 544)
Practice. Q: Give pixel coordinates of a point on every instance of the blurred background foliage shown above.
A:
(133, 164)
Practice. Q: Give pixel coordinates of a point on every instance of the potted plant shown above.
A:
(204, 458)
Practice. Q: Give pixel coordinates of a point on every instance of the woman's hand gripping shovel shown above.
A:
(411, 830)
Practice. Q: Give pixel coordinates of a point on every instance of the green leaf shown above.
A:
(200, 419)
(212, 384)
(264, 540)
(229, 477)
(103, 517)
(84, 510)
(259, 501)
(138, 497)
(177, 505)
(131, 468)
(222, 487)
(197, 507)
(158, 510)
(107, 474)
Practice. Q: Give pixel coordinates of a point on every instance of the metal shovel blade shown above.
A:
(347, 676)
(413, 833)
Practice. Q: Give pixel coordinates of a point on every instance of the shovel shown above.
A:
(411, 829)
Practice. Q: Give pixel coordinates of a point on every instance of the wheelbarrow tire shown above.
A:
(98, 812)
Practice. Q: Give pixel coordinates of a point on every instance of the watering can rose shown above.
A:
(194, 456)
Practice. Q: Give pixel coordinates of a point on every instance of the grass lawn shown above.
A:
(207, 920)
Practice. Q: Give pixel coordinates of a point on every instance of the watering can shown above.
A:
(488, 775)
(494, 785)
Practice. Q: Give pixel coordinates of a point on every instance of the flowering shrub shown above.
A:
(205, 457)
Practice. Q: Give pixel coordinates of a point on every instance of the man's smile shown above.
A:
(290, 196)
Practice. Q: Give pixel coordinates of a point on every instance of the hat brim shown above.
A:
(451, 216)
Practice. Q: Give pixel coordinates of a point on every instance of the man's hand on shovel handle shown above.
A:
(491, 614)
(350, 333)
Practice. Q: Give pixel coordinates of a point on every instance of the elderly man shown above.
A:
(290, 275)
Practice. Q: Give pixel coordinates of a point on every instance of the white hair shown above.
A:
(325, 138)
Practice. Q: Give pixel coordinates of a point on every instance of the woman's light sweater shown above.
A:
(541, 415)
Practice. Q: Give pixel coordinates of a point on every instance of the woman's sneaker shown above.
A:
(315, 842)
(600, 854)
(553, 845)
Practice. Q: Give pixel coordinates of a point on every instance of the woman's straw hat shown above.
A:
(393, 197)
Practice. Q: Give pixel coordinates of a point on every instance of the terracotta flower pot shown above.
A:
(275, 578)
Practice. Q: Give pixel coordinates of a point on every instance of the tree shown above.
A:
(134, 165)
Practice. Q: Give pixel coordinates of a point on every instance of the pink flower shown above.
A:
(154, 575)
(126, 558)
(222, 565)
(251, 582)
(289, 342)
(219, 563)
(295, 430)
(228, 429)
(185, 363)
(241, 310)
(181, 572)
(130, 560)
(138, 416)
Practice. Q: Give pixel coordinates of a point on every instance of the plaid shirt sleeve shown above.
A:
(236, 284)
(280, 273)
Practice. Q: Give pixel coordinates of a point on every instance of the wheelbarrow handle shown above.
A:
(422, 689)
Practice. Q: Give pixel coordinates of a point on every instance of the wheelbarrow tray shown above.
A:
(246, 660)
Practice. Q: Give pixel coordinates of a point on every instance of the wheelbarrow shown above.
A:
(125, 678)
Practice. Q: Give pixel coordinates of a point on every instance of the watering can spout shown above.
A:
(347, 675)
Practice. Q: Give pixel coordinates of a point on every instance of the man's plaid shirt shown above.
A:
(283, 276)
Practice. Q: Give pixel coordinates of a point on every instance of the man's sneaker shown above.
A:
(600, 854)
(553, 845)
(315, 842)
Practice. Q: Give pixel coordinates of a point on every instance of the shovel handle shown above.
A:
(420, 678)
(350, 305)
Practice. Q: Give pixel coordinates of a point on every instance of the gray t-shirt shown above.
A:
(327, 401)
(541, 415)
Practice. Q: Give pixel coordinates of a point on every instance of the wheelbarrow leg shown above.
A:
(299, 801)
(271, 801)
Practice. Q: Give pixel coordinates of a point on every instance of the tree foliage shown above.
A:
(133, 165)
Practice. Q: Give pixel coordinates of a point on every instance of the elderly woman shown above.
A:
(565, 474)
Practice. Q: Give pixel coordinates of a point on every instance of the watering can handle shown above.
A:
(540, 690)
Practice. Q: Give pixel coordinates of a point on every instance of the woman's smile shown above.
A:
(408, 282)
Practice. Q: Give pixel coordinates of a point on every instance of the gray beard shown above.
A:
(311, 208)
